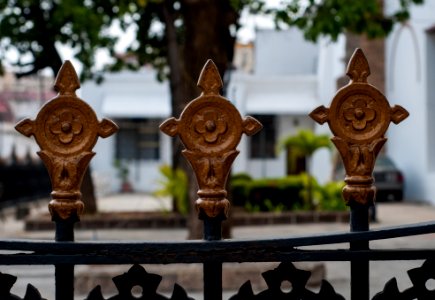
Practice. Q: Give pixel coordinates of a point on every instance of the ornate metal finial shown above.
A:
(358, 117)
(210, 128)
(66, 129)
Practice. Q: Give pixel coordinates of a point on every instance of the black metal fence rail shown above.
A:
(249, 250)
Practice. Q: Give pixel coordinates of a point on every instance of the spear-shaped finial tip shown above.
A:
(67, 81)
(209, 80)
(358, 68)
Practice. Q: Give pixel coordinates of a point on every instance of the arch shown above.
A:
(392, 59)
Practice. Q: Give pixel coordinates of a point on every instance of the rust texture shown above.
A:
(359, 116)
(210, 128)
(66, 129)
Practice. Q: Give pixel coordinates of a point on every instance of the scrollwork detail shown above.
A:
(286, 272)
(138, 276)
(6, 283)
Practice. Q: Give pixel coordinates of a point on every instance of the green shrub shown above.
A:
(241, 176)
(174, 184)
(285, 193)
(330, 196)
(266, 194)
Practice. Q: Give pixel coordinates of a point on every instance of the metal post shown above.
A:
(210, 128)
(64, 273)
(212, 270)
(359, 269)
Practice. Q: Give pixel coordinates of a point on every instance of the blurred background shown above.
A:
(139, 62)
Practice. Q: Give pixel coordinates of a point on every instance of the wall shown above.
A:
(410, 144)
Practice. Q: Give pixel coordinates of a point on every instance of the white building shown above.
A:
(410, 71)
(279, 80)
(290, 78)
(138, 103)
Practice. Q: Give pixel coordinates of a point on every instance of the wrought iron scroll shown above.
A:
(137, 276)
(420, 278)
(6, 283)
(296, 289)
(210, 128)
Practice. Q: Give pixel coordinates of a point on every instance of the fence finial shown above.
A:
(66, 129)
(210, 128)
(358, 117)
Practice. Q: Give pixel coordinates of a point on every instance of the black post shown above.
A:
(212, 270)
(64, 273)
(359, 269)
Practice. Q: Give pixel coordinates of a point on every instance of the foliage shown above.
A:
(122, 169)
(241, 177)
(332, 17)
(330, 196)
(266, 194)
(325, 197)
(286, 193)
(174, 184)
(36, 28)
(305, 142)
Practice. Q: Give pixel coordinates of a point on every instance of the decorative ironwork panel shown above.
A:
(210, 128)
(66, 129)
(359, 117)
(137, 276)
(287, 282)
(420, 278)
(6, 283)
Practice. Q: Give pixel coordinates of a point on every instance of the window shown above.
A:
(263, 143)
(138, 139)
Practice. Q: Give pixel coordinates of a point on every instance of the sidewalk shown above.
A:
(337, 273)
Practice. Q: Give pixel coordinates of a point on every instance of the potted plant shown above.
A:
(123, 174)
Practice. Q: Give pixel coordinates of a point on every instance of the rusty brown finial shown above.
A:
(210, 128)
(66, 129)
(358, 117)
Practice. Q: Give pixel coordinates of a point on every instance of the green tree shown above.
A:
(175, 36)
(305, 143)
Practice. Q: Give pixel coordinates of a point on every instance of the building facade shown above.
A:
(279, 79)
(410, 70)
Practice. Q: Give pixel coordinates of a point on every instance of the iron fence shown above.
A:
(210, 127)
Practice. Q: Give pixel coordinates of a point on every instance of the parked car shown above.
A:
(389, 180)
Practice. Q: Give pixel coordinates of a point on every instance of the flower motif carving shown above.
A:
(358, 117)
(359, 114)
(66, 129)
(210, 125)
(65, 126)
(210, 128)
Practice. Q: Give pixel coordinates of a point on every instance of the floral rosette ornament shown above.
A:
(66, 129)
(358, 117)
(210, 128)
